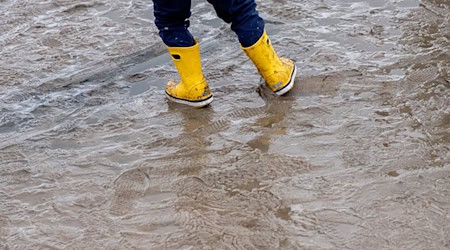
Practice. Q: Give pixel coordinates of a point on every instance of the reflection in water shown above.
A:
(194, 141)
(276, 109)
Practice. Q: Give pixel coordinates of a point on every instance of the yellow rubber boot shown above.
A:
(279, 73)
(192, 90)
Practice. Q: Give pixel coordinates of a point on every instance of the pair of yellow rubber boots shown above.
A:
(278, 73)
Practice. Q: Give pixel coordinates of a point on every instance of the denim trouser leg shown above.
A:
(172, 20)
(244, 19)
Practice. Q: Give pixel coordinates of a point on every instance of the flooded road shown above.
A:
(92, 156)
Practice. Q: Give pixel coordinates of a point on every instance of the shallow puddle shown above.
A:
(356, 156)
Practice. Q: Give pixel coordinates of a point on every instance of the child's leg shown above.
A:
(279, 73)
(244, 19)
(172, 20)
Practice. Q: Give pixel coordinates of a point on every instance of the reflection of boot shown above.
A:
(193, 89)
(279, 73)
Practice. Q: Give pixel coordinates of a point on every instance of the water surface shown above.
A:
(93, 156)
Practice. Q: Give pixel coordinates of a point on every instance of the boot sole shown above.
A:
(289, 85)
(196, 104)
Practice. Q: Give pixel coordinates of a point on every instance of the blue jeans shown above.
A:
(172, 20)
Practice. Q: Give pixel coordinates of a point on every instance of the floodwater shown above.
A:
(92, 156)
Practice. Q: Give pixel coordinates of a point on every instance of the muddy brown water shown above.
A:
(92, 156)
